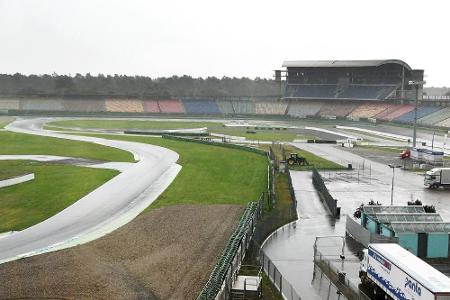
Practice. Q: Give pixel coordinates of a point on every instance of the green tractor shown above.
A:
(295, 159)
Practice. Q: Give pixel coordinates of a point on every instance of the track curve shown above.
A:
(105, 209)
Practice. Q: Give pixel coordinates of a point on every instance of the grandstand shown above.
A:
(126, 106)
(336, 109)
(9, 104)
(171, 106)
(151, 106)
(270, 108)
(444, 123)
(394, 111)
(304, 109)
(435, 117)
(226, 107)
(369, 110)
(422, 111)
(355, 89)
(84, 105)
(42, 104)
(349, 79)
(201, 107)
(244, 107)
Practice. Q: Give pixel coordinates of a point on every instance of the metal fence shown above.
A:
(324, 195)
(280, 283)
(363, 236)
(225, 272)
(343, 287)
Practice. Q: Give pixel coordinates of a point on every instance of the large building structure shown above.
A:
(350, 80)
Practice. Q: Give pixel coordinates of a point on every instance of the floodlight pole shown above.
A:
(393, 167)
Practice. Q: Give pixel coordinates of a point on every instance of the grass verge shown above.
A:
(210, 174)
(19, 143)
(251, 133)
(54, 188)
(313, 160)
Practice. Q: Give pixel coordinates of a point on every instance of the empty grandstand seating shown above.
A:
(304, 109)
(7, 104)
(319, 91)
(310, 90)
(201, 107)
(394, 111)
(336, 109)
(366, 92)
(444, 123)
(244, 107)
(84, 105)
(226, 107)
(368, 110)
(119, 105)
(270, 108)
(422, 111)
(171, 106)
(42, 104)
(151, 106)
(435, 117)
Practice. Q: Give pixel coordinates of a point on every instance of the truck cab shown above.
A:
(437, 177)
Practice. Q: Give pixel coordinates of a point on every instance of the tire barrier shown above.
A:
(227, 268)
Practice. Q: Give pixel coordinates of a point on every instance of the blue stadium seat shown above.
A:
(422, 111)
(201, 106)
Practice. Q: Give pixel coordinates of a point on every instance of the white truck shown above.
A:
(396, 272)
(437, 177)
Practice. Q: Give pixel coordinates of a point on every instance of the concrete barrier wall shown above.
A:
(16, 180)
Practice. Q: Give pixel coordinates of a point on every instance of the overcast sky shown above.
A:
(218, 38)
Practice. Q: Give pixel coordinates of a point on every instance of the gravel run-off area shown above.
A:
(166, 253)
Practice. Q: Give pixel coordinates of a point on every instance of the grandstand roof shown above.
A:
(342, 63)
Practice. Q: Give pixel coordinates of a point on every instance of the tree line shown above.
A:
(134, 86)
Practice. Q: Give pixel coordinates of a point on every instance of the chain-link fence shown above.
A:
(328, 276)
(280, 283)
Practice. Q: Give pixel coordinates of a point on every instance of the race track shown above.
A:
(105, 209)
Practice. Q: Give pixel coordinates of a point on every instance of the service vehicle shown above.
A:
(437, 177)
(391, 269)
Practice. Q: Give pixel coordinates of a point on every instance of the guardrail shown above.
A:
(156, 132)
(324, 195)
(225, 145)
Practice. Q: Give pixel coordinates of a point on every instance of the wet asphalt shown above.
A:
(108, 207)
(292, 249)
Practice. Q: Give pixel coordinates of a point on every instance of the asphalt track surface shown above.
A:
(105, 209)
(291, 250)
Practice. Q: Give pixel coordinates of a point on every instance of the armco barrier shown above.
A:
(156, 132)
(226, 270)
(324, 195)
(225, 145)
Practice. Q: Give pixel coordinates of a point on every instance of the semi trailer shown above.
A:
(437, 177)
(394, 272)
